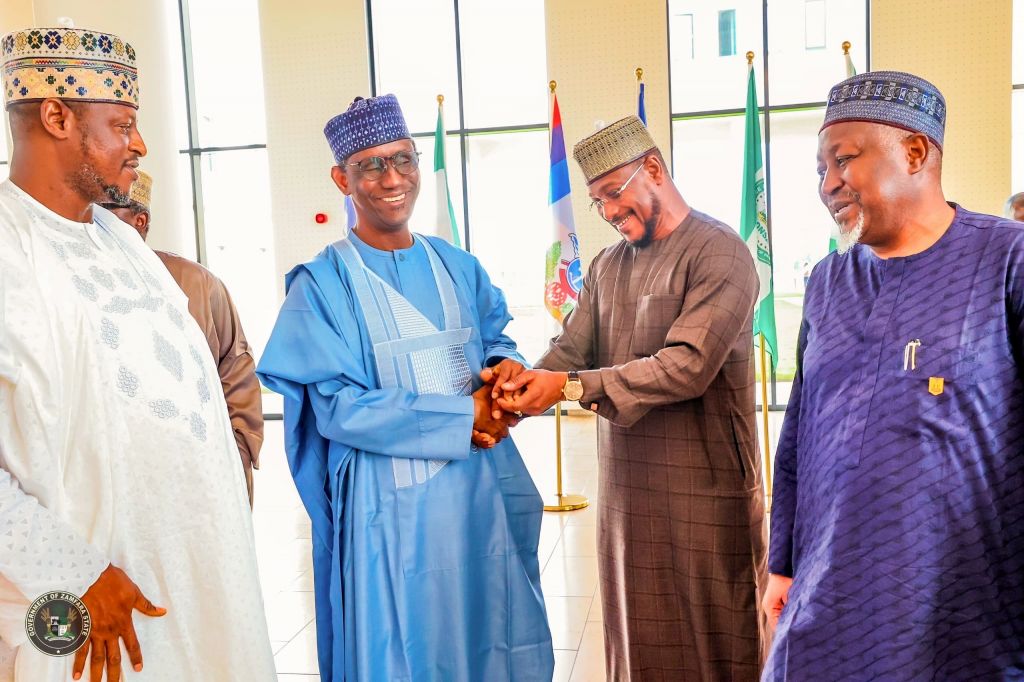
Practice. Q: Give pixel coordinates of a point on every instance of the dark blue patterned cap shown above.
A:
(891, 98)
(367, 123)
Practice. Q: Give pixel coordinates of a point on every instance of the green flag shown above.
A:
(754, 224)
(851, 71)
(446, 225)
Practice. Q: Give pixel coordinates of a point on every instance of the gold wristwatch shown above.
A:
(573, 389)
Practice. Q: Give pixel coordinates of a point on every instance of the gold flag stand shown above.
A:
(561, 501)
(764, 414)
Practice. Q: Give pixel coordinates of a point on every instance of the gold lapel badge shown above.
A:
(936, 385)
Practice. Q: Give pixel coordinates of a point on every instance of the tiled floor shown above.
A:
(567, 552)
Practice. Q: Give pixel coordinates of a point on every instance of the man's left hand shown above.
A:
(540, 390)
(776, 595)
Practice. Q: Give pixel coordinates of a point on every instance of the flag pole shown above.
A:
(551, 87)
(764, 385)
(764, 415)
(560, 501)
(558, 447)
(445, 210)
(641, 108)
(851, 70)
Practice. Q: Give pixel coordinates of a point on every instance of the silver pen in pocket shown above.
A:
(910, 354)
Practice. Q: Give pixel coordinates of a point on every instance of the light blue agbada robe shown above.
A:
(424, 548)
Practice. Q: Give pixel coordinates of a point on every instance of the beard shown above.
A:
(650, 225)
(87, 181)
(846, 240)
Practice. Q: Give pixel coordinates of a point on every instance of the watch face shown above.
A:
(573, 390)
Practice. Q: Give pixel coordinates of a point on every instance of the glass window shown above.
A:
(504, 66)
(681, 29)
(788, 30)
(176, 71)
(229, 103)
(186, 204)
(708, 156)
(801, 225)
(708, 164)
(239, 236)
(805, 37)
(727, 33)
(701, 79)
(425, 217)
(415, 58)
(513, 227)
(814, 24)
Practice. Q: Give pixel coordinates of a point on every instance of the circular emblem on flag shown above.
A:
(58, 624)
(574, 275)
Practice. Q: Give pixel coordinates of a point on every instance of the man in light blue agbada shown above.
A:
(425, 521)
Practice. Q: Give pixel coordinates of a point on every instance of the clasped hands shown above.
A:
(510, 393)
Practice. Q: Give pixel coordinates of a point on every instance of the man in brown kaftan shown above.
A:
(660, 345)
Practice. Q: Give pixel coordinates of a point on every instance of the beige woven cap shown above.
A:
(68, 63)
(613, 146)
(142, 189)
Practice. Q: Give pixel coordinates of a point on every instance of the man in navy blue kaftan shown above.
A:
(897, 538)
(425, 522)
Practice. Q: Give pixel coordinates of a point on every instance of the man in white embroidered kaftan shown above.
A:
(120, 480)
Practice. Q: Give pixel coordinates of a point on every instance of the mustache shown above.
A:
(836, 203)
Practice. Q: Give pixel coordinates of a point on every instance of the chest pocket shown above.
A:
(654, 317)
(931, 400)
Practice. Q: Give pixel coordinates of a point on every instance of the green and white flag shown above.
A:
(851, 71)
(447, 228)
(754, 224)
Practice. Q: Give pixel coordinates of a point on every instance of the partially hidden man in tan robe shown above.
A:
(660, 346)
(210, 304)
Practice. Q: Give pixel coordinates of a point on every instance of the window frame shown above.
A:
(765, 110)
(462, 131)
(195, 150)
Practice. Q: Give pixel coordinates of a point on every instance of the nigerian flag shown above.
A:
(447, 228)
(754, 224)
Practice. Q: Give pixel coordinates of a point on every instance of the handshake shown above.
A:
(510, 393)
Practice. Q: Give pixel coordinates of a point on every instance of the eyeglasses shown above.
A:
(614, 194)
(374, 167)
(134, 206)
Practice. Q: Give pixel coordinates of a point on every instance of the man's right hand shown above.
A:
(776, 594)
(488, 431)
(111, 600)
